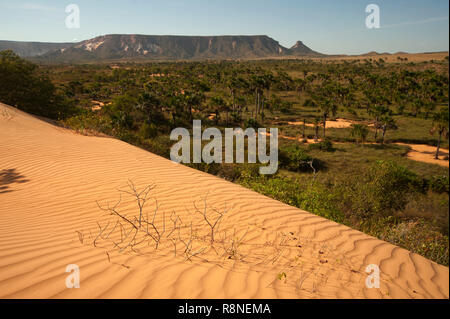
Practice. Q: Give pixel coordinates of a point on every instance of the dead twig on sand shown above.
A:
(141, 197)
(188, 244)
(212, 224)
(137, 224)
(233, 250)
(100, 233)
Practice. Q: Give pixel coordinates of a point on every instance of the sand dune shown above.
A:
(51, 178)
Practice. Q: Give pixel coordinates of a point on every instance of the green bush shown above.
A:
(212, 168)
(286, 107)
(229, 172)
(159, 145)
(251, 123)
(382, 190)
(294, 158)
(439, 184)
(312, 197)
(279, 188)
(236, 117)
(127, 136)
(309, 102)
(419, 237)
(325, 145)
(318, 199)
(148, 130)
(122, 112)
(249, 171)
(88, 122)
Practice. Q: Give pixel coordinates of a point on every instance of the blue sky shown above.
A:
(328, 26)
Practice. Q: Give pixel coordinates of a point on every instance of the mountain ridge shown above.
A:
(31, 48)
(158, 47)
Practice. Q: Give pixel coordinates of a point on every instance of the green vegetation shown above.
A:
(369, 185)
(294, 158)
(21, 85)
(360, 132)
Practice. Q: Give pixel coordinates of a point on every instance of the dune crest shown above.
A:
(51, 178)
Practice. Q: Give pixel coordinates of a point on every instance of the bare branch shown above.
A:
(211, 224)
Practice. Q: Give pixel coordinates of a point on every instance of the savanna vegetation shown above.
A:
(356, 175)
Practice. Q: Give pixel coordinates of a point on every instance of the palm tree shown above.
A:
(234, 84)
(387, 123)
(328, 108)
(327, 97)
(256, 86)
(191, 99)
(316, 129)
(150, 104)
(175, 106)
(359, 131)
(284, 79)
(418, 105)
(440, 125)
(259, 83)
(300, 85)
(378, 111)
(304, 127)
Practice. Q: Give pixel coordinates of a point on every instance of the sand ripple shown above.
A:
(51, 178)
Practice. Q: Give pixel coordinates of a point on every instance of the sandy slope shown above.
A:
(50, 179)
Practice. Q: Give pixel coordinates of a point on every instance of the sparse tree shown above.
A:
(387, 122)
(360, 132)
(440, 126)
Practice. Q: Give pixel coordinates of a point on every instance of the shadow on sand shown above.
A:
(10, 176)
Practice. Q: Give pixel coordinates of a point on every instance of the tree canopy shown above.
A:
(23, 86)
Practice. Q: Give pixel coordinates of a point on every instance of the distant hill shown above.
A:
(30, 49)
(154, 47)
(302, 50)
